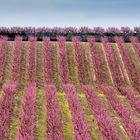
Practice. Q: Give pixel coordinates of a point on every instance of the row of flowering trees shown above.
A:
(48, 73)
(136, 45)
(133, 98)
(27, 113)
(103, 118)
(79, 123)
(96, 60)
(31, 60)
(79, 57)
(16, 59)
(6, 107)
(3, 46)
(114, 67)
(133, 75)
(132, 126)
(63, 68)
(26, 124)
(54, 122)
(83, 29)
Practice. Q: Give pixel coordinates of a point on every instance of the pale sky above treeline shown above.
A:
(64, 13)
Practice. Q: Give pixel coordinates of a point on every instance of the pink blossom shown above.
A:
(31, 60)
(16, 59)
(63, 68)
(47, 60)
(26, 125)
(112, 62)
(79, 122)
(103, 118)
(3, 47)
(132, 127)
(136, 45)
(133, 75)
(79, 57)
(6, 107)
(96, 60)
(54, 122)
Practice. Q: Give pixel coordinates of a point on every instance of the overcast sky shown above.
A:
(64, 13)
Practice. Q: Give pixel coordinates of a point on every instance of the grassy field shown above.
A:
(91, 72)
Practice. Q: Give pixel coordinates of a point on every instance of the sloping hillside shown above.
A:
(69, 90)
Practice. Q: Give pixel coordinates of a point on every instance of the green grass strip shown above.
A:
(23, 66)
(55, 65)
(68, 129)
(104, 64)
(39, 65)
(72, 69)
(40, 116)
(15, 116)
(87, 64)
(0, 93)
(93, 128)
(121, 64)
(133, 58)
(7, 65)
